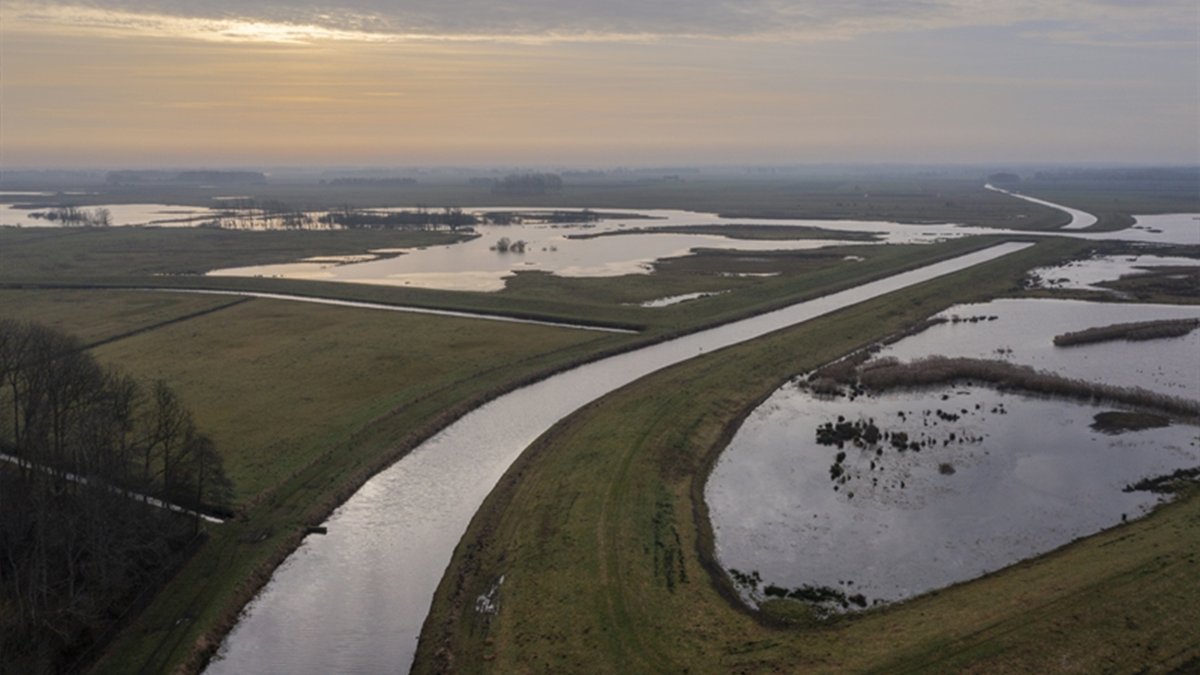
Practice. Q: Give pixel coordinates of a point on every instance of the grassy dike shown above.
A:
(601, 538)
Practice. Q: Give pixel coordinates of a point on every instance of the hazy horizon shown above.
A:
(361, 83)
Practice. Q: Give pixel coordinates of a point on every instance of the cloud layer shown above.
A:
(1118, 21)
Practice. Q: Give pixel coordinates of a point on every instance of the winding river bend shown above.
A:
(354, 599)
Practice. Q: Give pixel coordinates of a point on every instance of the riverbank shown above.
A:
(601, 535)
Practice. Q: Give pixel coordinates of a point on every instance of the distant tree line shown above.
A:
(517, 217)
(370, 181)
(1004, 178)
(201, 177)
(84, 449)
(1189, 174)
(528, 184)
(420, 217)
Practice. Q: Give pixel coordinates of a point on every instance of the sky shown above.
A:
(138, 83)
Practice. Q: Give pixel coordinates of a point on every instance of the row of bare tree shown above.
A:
(85, 449)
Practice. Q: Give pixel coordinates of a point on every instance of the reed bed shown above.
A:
(888, 373)
(1136, 331)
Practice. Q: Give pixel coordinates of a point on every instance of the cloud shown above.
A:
(1080, 21)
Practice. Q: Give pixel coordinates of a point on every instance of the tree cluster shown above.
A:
(419, 218)
(528, 184)
(88, 457)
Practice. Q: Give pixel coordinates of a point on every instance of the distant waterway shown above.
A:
(1079, 219)
(354, 599)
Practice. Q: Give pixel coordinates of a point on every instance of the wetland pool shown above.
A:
(994, 478)
(999, 477)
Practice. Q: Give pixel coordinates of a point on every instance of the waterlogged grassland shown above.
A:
(278, 383)
(791, 276)
(175, 258)
(95, 317)
(601, 535)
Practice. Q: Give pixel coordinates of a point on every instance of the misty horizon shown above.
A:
(365, 83)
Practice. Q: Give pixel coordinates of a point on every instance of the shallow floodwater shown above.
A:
(670, 300)
(1087, 274)
(1010, 478)
(354, 600)
(122, 215)
(999, 477)
(474, 265)
(563, 249)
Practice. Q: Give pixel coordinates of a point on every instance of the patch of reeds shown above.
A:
(1138, 330)
(889, 373)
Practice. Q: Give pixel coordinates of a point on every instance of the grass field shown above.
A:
(601, 535)
(305, 377)
(97, 317)
(304, 403)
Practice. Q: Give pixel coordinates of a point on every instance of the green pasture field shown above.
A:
(277, 384)
(97, 317)
(305, 402)
(601, 535)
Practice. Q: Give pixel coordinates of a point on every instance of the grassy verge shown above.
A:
(602, 536)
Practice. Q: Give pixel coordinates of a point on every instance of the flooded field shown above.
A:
(954, 481)
(477, 265)
(997, 478)
(120, 215)
(566, 249)
(1086, 274)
